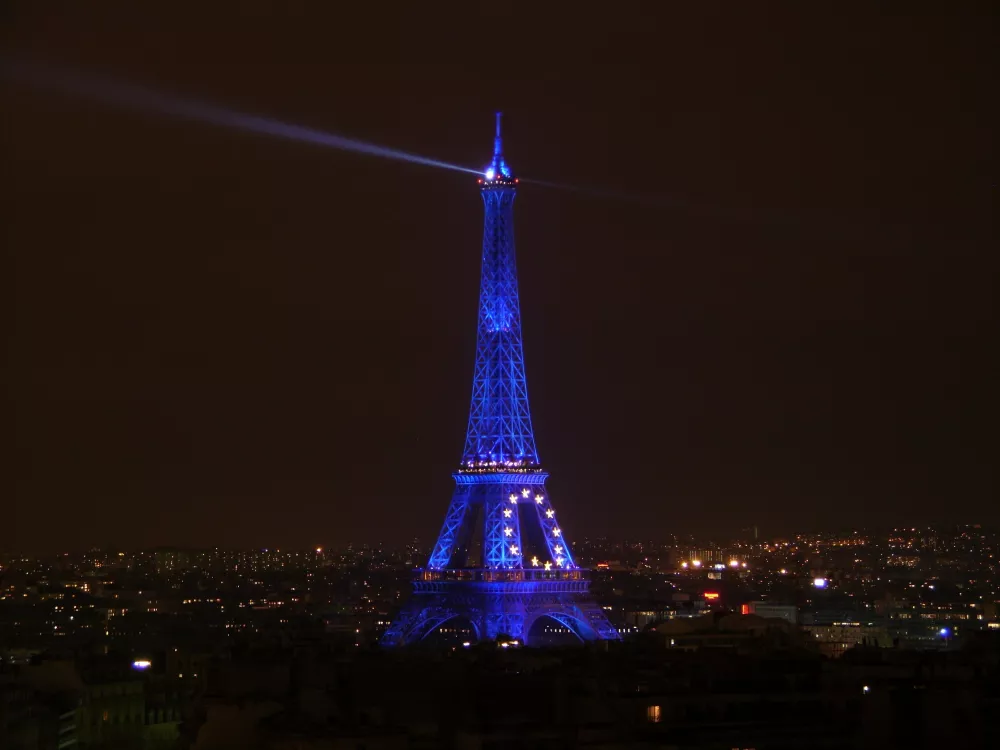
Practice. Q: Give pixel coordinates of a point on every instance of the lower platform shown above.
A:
(499, 603)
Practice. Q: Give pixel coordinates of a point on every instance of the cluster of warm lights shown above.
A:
(507, 464)
(492, 179)
(519, 466)
(717, 566)
(524, 469)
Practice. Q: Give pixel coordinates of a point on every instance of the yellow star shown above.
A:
(508, 531)
(558, 549)
(539, 498)
(559, 561)
(513, 497)
(534, 562)
(556, 532)
(550, 513)
(525, 492)
(548, 566)
(513, 549)
(507, 512)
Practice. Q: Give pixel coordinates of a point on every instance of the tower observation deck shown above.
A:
(501, 561)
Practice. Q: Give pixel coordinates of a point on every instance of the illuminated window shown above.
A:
(653, 714)
(105, 715)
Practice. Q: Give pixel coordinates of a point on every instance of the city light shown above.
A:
(734, 563)
(141, 664)
(696, 563)
(819, 583)
(711, 595)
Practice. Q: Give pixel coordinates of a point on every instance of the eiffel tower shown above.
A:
(501, 561)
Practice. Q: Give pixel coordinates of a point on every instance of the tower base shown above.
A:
(499, 603)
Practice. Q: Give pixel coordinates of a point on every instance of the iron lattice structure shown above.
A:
(501, 560)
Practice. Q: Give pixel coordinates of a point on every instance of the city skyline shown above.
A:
(223, 338)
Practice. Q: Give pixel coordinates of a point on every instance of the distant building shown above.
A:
(786, 612)
(833, 640)
(101, 705)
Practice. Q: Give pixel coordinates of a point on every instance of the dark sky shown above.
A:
(225, 339)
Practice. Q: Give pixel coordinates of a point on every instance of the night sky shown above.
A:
(225, 339)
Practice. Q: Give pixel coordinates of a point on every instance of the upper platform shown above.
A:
(491, 472)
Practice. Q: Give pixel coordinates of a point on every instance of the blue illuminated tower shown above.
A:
(501, 560)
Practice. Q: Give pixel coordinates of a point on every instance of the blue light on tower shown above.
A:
(501, 560)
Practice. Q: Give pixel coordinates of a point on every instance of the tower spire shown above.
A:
(498, 142)
(498, 169)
